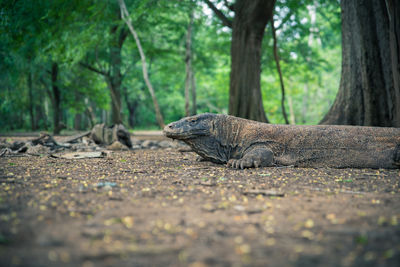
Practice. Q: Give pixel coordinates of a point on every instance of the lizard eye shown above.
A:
(192, 120)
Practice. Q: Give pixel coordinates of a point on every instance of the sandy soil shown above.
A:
(163, 208)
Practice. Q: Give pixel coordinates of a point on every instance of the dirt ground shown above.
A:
(164, 208)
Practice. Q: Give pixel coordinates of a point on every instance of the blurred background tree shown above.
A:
(72, 63)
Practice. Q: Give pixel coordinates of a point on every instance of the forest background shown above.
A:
(65, 62)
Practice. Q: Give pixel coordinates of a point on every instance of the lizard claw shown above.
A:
(257, 157)
(200, 159)
(233, 163)
(236, 164)
(240, 163)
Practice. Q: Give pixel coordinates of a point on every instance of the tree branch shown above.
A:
(231, 7)
(93, 69)
(98, 61)
(278, 66)
(126, 18)
(224, 19)
(122, 36)
(284, 20)
(126, 71)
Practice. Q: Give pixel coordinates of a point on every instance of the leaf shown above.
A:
(80, 155)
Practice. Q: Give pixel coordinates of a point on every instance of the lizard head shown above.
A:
(191, 127)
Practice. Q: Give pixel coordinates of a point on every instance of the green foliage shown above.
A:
(310, 56)
(37, 33)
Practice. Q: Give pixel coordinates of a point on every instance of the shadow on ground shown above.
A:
(163, 208)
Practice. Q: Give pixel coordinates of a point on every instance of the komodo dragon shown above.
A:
(242, 143)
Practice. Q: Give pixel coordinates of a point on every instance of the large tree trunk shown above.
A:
(251, 18)
(115, 77)
(31, 101)
(90, 114)
(116, 117)
(40, 114)
(367, 95)
(42, 111)
(78, 116)
(132, 106)
(78, 121)
(393, 7)
(193, 88)
(56, 99)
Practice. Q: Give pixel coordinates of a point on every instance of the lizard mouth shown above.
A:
(179, 133)
(172, 132)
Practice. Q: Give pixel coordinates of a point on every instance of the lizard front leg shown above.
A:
(259, 156)
(200, 159)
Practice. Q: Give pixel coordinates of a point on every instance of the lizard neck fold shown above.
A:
(222, 141)
(228, 135)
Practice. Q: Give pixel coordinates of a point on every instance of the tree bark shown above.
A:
(116, 117)
(393, 8)
(132, 106)
(193, 90)
(31, 101)
(40, 114)
(126, 17)
(367, 94)
(42, 111)
(251, 18)
(78, 118)
(56, 99)
(115, 76)
(78, 121)
(90, 114)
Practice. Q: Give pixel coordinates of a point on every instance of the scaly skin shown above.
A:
(242, 143)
